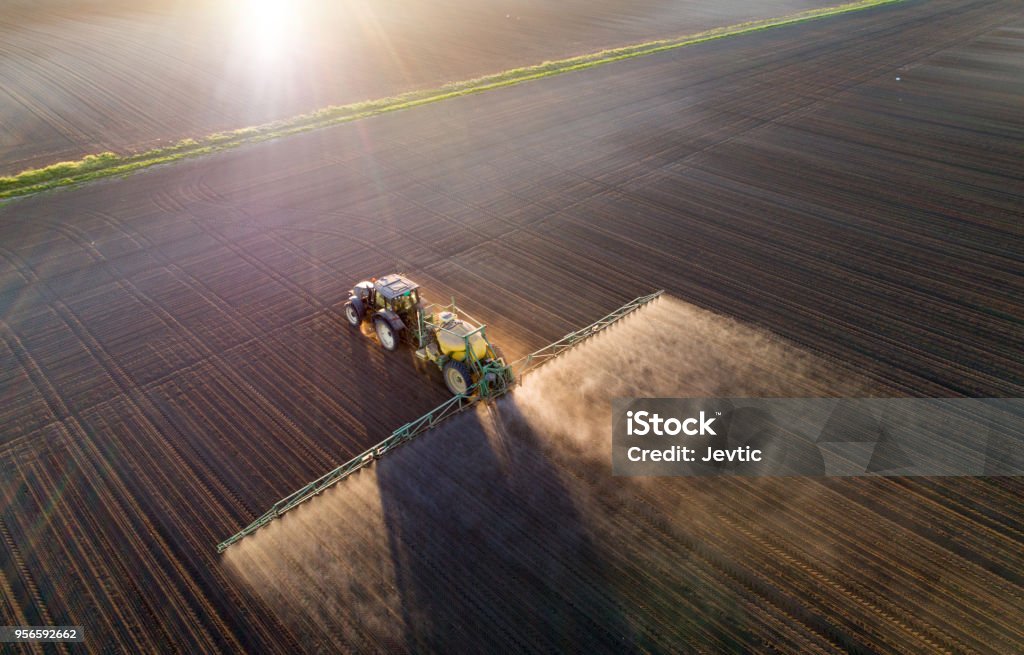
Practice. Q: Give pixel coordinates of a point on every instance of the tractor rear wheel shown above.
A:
(353, 315)
(386, 334)
(457, 377)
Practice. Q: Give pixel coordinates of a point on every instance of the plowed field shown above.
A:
(80, 76)
(174, 358)
(510, 513)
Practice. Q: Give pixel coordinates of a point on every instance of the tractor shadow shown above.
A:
(489, 551)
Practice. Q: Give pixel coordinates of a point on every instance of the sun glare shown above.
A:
(269, 27)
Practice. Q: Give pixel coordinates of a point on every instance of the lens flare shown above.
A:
(269, 29)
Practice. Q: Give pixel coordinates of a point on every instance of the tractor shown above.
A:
(469, 363)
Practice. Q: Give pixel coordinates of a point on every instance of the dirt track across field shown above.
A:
(174, 358)
(80, 77)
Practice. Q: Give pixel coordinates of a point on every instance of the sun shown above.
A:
(268, 27)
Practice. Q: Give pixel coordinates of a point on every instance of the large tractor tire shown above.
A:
(457, 377)
(386, 334)
(353, 315)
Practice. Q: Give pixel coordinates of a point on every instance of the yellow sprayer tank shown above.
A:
(453, 343)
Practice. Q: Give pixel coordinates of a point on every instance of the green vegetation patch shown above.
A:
(108, 164)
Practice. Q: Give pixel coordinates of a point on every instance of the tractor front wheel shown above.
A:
(353, 315)
(457, 377)
(386, 334)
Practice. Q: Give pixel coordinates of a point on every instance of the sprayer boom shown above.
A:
(447, 409)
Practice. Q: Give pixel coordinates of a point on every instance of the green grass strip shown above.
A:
(109, 164)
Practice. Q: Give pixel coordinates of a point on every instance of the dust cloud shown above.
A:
(323, 568)
(509, 516)
(669, 349)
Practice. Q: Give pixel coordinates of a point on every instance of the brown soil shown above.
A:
(503, 527)
(82, 77)
(174, 358)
